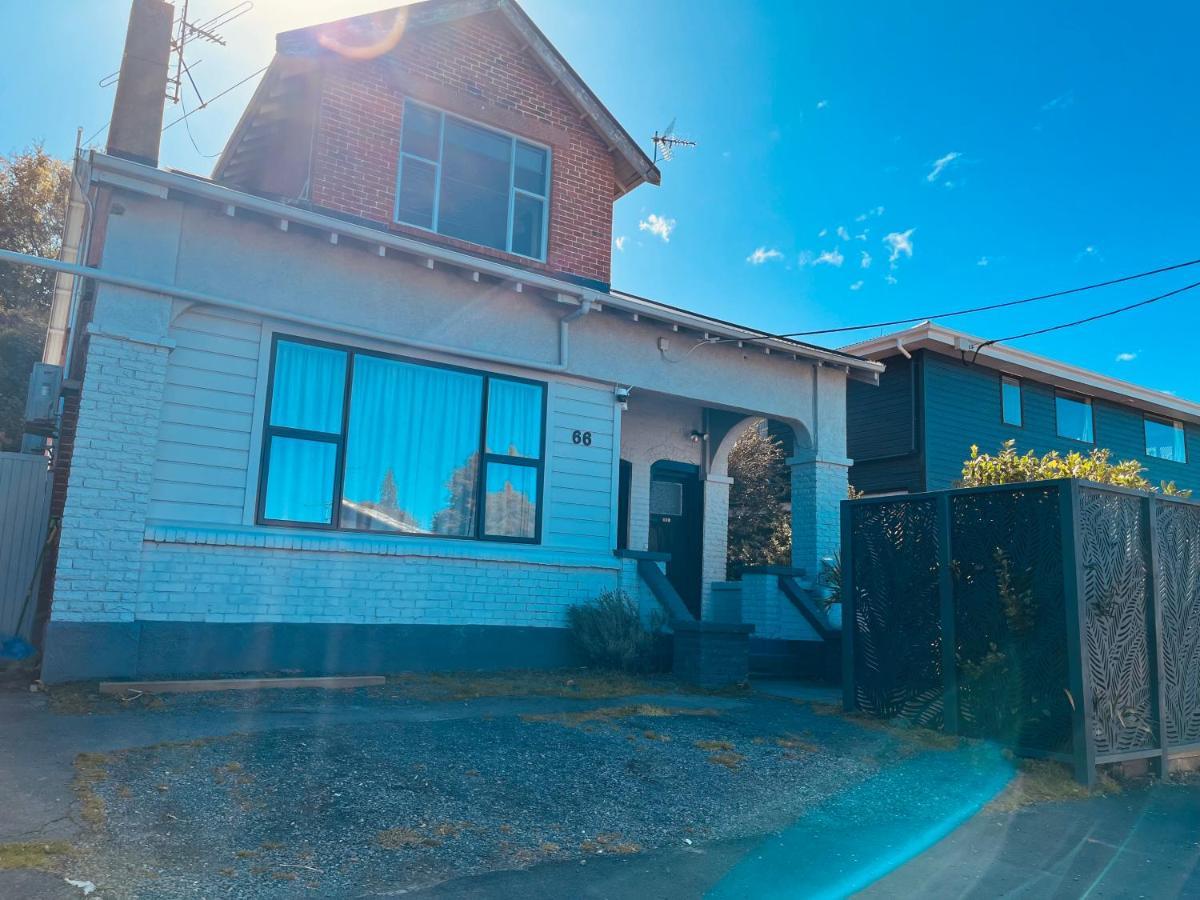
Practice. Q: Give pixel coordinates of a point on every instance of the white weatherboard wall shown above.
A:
(159, 524)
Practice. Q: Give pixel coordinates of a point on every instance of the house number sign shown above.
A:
(581, 437)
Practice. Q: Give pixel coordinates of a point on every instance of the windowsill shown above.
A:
(279, 538)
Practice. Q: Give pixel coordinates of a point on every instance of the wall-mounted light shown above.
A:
(698, 436)
(621, 395)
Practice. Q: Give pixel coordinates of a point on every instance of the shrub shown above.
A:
(610, 633)
(1010, 467)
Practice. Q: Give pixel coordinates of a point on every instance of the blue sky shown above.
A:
(1009, 149)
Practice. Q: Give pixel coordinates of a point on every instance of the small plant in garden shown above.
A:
(1010, 467)
(610, 633)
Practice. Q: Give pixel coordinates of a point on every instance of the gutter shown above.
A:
(199, 297)
(122, 173)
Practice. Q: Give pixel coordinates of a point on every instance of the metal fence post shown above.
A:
(1083, 744)
(1154, 641)
(946, 616)
(849, 611)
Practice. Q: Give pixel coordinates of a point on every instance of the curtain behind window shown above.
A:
(412, 450)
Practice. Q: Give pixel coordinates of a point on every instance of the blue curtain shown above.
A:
(300, 480)
(514, 418)
(412, 450)
(510, 507)
(308, 388)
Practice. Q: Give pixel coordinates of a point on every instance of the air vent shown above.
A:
(666, 498)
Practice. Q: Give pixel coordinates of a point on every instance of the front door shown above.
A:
(676, 526)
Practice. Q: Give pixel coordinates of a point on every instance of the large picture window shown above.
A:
(469, 182)
(368, 442)
(1073, 417)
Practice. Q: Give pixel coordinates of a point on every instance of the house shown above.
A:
(938, 397)
(365, 399)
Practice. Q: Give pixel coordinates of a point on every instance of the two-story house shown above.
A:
(939, 397)
(364, 400)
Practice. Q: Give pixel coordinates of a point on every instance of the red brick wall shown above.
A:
(473, 67)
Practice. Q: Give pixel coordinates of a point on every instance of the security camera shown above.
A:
(621, 395)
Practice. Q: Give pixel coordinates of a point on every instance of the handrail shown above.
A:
(813, 614)
(664, 592)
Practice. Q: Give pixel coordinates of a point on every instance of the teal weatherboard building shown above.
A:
(938, 397)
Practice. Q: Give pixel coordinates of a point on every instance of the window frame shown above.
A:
(1079, 398)
(513, 190)
(269, 432)
(1172, 423)
(1020, 383)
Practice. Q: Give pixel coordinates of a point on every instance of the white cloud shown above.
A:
(821, 104)
(865, 260)
(1088, 252)
(830, 257)
(762, 254)
(619, 243)
(1126, 357)
(890, 279)
(857, 285)
(823, 232)
(983, 261)
(843, 233)
(900, 243)
(862, 235)
(658, 225)
(939, 166)
(873, 213)
(1062, 101)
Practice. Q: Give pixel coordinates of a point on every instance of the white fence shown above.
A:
(25, 488)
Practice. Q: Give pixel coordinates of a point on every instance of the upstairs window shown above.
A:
(1010, 400)
(473, 183)
(1073, 414)
(1165, 439)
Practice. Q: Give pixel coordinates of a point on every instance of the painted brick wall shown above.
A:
(473, 67)
(818, 489)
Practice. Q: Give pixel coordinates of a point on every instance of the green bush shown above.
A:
(610, 633)
(1010, 467)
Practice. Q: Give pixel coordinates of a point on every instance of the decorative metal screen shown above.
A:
(1010, 618)
(897, 640)
(1114, 557)
(1177, 529)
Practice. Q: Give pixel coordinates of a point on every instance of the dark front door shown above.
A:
(676, 526)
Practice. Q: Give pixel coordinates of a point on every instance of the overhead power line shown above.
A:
(1083, 321)
(214, 99)
(963, 312)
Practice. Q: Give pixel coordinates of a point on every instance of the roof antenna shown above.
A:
(665, 143)
(187, 30)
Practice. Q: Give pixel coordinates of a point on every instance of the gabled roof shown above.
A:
(633, 166)
(939, 339)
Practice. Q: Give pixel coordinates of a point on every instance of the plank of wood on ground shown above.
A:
(194, 686)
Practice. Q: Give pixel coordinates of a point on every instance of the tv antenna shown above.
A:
(187, 30)
(666, 141)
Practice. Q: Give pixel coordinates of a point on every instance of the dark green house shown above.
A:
(937, 398)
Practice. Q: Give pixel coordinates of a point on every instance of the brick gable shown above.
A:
(474, 67)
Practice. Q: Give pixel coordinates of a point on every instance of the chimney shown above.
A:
(142, 86)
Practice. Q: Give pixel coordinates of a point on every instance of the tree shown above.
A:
(760, 528)
(33, 193)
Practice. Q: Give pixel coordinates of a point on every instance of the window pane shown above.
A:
(1074, 418)
(415, 203)
(527, 225)
(419, 131)
(531, 169)
(511, 504)
(1010, 397)
(412, 450)
(1165, 440)
(476, 167)
(300, 480)
(308, 387)
(514, 418)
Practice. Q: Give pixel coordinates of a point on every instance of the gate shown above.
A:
(25, 488)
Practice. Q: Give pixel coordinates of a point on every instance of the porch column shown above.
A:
(716, 533)
(639, 505)
(818, 489)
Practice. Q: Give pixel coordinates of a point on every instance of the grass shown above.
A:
(583, 684)
(611, 713)
(1043, 781)
(90, 770)
(45, 856)
(728, 759)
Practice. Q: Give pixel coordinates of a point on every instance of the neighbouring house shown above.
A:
(365, 399)
(938, 398)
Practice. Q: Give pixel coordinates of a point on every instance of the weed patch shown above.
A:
(45, 856)
(1043, 781)
(608, 714)
(728, 759)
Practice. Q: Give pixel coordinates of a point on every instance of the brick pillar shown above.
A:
(639, 506)
(108, 492)
(818, 488)
(716, 533)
